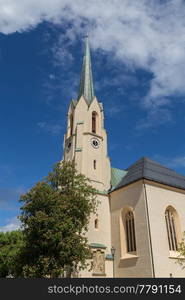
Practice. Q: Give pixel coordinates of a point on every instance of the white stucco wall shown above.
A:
(159, 197)
(102, 235)
(140, 264)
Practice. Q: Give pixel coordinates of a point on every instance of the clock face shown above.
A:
(95, 143)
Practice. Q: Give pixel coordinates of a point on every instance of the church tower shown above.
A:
(85, 142)
(86, 138)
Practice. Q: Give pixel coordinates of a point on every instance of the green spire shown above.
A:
(86, 81)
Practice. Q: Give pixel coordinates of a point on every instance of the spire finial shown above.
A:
(86, 81)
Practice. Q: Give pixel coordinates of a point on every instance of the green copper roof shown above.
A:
(97, 245)
(116, 176)
(86, 81)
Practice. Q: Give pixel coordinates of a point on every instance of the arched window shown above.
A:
(96, 223)
(71, 124)
(130, 232)
(94, 122)
(171, 226)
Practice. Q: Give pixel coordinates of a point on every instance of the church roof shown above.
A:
(116, 176)
(86, 81)
(146, 168)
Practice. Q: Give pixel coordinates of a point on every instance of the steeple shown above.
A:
(86, 81)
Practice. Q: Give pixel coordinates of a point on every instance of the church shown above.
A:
(140, 218)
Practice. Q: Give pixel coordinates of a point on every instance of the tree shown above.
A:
(55, 216)
(10, 244)
(181, 250)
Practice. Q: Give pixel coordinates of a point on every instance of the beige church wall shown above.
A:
(84, 113)
(68, 155)
(103, 165)
(82, 149)
(84, 155)
(126, 265)
(159, 198)
(101, 235)
(100, 175)
(95, 107)
(90, 154)
(80, 111)
(68, 122)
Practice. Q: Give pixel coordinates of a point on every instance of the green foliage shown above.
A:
(10, 244)
(55, 215)
(181, 250)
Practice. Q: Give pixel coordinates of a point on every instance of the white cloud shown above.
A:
(176, 162)
(54, 129)
(52, 76)
(155, 117)
(23, 15)
(116, 109)
(149, 34)
(9, 197)
(5, 172)
(61, 52)
(66, 82)
(13, 224)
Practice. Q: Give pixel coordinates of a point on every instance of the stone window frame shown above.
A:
(130, 232)
(124, 253)
(173, 229)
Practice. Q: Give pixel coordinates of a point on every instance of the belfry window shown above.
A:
(71, 124)
(130, 232)
(171, 229)
(94, 121)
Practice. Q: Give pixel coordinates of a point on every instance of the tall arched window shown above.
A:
(94, 122)
(130, 232)
(171, 226)
(71, 124)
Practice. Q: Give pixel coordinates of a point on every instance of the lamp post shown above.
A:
(113, 250)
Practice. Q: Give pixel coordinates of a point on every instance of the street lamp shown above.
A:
(113, 250)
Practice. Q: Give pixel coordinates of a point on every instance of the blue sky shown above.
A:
(138, 61)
